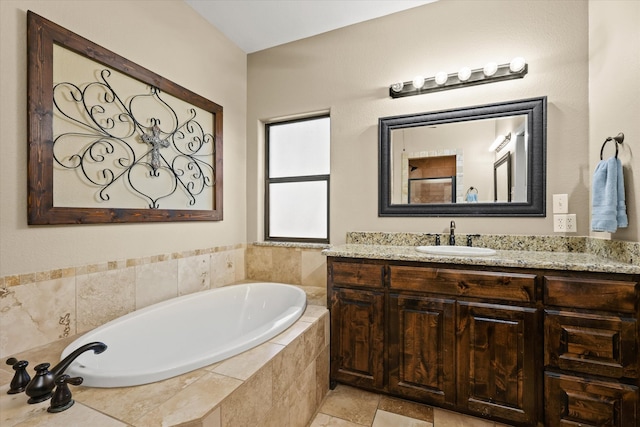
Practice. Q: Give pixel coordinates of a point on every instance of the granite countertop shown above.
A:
(567, 261)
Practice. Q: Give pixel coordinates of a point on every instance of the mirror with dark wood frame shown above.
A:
(443, 163)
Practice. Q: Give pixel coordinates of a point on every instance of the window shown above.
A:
(297, 180)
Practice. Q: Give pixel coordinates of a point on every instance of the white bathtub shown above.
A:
(186, 333)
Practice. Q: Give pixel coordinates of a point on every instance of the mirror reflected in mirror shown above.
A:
(484, 160)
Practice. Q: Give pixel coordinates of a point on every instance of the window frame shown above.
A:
(292, 179)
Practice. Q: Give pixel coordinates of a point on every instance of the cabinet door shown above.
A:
(575, 401)
(497, 360)
(422, 349)
(357, 319)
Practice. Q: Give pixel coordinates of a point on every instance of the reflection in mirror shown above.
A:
(487, 160)
(502, 179)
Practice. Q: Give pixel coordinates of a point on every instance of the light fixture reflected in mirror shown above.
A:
(500, 142)
(490, 73)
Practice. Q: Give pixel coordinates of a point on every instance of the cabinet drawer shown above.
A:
(356, 274)
(594, 294)
(468, 283)
(574, 401)
(593, 344)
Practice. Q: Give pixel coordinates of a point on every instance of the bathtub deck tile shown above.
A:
(192, 403)
(130, 403)
(313, 313)
(248, 363)
(293, 332)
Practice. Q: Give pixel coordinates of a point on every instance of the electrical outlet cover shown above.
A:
(571, 224)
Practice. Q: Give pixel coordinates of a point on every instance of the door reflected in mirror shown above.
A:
(485, 160)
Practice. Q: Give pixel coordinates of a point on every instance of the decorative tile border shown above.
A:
(41, 276)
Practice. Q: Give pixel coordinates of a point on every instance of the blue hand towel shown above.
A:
(472, 197)
(608, 199)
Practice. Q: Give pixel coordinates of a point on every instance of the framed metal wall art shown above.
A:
(112, 142)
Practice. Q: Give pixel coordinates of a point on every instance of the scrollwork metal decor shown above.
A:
(151, 153)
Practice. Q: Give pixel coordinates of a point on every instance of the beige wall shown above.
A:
(349, 71)
(614, 96)
(167, 37)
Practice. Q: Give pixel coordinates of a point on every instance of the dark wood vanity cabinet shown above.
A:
(357, 310)
(591, 351)
(522, 347)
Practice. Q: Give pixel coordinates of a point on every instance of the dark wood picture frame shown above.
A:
(41, 37)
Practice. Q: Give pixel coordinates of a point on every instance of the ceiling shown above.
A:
(255, 25)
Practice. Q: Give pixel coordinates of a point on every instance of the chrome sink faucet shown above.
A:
(452, 237)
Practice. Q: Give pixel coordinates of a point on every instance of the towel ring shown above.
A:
(470, 190)
(619, 138)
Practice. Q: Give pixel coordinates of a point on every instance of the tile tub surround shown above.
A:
(624, 252)
(280, 383)
(294, 263)
(40, 308)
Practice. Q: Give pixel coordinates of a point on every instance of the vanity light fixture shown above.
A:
(490, 73)
(500, 142)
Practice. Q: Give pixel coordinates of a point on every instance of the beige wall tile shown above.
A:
(251, 402)
(156, 282)
(104, 296)
(287, 265)
(314, 268)
(213, 419)
(302, 398)
(239, 264)
(36, 313)
(258, 263)
(193, 274)
(288, 365)
(278, 415)
(222, 268)
(322, 375)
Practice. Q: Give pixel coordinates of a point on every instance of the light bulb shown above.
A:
(397, 87)
(441, 78)
(464, 74)
(418, 82)
(517, 64)
(490, 69)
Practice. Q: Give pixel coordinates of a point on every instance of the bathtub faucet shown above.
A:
(42, 384)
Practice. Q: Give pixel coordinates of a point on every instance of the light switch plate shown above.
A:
(561, 203)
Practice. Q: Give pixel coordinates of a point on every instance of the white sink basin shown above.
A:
(456, 250)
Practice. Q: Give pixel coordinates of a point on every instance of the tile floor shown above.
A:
(350, 407)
